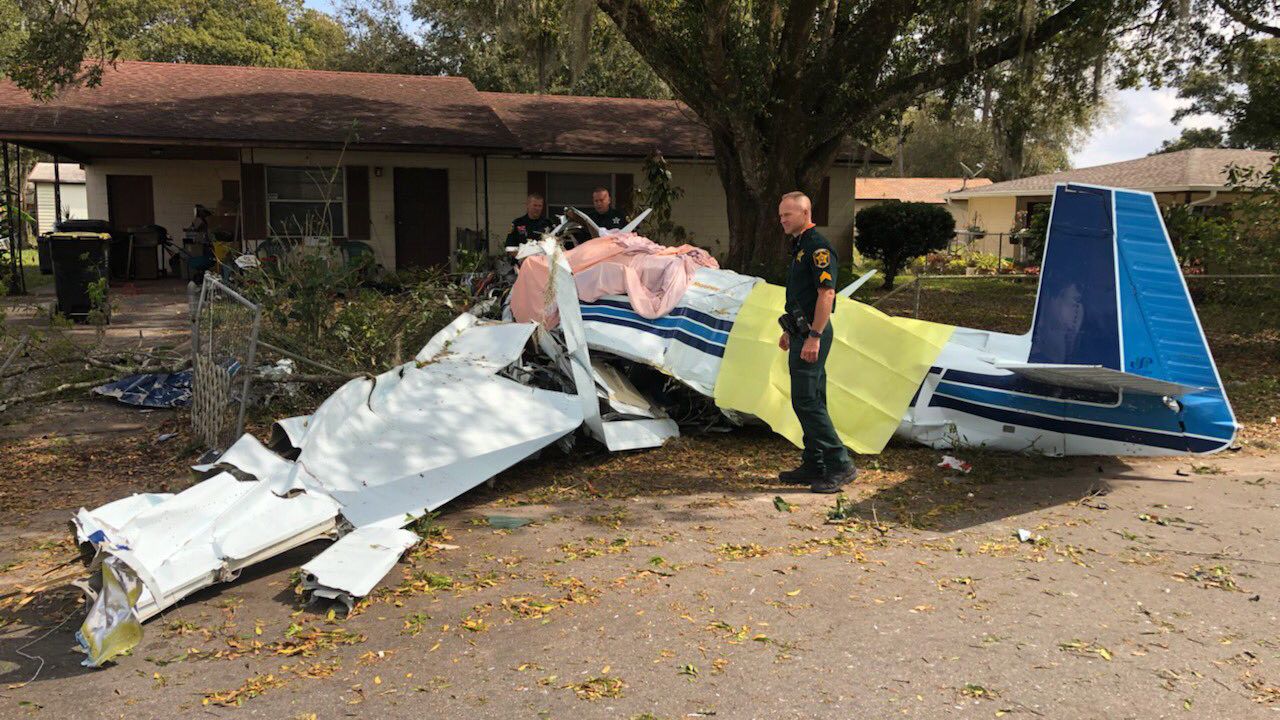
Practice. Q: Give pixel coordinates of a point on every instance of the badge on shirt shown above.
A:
(799, 255)
(822, 258)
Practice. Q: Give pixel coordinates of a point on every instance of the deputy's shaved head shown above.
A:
(795, 212)
(806, 205)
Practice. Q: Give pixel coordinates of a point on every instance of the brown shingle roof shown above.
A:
(151, 102)
(67, 173)
(618, 127)
(1196, 169)
(611, 127)
(168, 103)
(927, 190)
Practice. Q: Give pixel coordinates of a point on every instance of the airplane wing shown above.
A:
(852, 287)
(1097, 377)
(581, 218)
(631, 226)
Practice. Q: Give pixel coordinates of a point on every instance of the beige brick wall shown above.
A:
(462, 188)
(179, 184)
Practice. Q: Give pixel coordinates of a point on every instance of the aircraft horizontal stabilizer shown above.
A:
(1097, 377)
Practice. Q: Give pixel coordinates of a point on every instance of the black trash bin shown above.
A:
(42, 251)
(80, 262)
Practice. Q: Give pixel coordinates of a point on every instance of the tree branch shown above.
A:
(939, 75)
(1246, 19)
(667, 59)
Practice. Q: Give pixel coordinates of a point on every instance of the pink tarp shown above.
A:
(654, 277)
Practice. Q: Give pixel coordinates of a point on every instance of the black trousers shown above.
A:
(822, 446)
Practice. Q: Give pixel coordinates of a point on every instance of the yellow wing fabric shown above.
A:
(876, 364)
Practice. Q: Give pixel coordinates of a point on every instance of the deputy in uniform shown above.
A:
(529, 226)
(811, 294)
(602, 211)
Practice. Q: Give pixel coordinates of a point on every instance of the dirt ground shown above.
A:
(685, 582)
(672, 583)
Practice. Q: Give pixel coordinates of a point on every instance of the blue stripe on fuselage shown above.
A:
(1181, 443)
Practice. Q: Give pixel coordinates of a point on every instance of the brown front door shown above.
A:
(130, 202)
(422, 217)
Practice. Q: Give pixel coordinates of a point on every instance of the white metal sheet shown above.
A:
(359, 559)
(1097, 377)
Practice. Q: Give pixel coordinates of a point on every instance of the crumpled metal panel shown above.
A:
(351, 567)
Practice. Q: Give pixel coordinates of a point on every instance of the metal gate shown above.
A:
(224, 343)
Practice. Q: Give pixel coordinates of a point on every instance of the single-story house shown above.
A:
(408, 164)
(1193, 177)
(876, 190)
(70, 191)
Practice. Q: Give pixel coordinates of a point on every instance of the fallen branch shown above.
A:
(303, 378)
(299, 358)
(14, 353)
(1217, 556)
(65, 387)
(85, 385)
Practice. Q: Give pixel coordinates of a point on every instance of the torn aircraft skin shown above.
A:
(1115, 363)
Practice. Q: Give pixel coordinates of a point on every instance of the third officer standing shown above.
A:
(806, 336)
(529, 226)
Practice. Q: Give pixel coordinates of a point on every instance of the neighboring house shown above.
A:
(421, 160)
(876, 190)
(71, 191)
(1192, 177)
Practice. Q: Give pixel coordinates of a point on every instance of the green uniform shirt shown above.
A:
(813, 266)
(613, 218)
(525, 228)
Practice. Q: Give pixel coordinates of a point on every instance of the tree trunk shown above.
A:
(890, 275)
(757, 244)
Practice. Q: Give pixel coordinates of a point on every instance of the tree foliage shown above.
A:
(659, 193)
(552, 46)
(1244, 89)
(783, 84)
(895, 233)
(1190, 138)
(937, 138)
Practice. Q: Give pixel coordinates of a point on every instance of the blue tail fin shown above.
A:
(1076, 322)
(1112, 295)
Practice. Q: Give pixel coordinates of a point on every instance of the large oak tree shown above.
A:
(784, 84)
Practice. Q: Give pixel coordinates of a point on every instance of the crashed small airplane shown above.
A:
(1115, 363)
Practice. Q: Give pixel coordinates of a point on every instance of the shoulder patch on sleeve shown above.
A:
(822, 257)
(824, 277)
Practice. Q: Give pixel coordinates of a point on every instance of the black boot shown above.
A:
(833, 480)
(803, 475)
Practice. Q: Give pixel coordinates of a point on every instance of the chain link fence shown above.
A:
(224, 344)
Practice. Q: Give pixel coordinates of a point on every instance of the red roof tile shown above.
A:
(913, 189)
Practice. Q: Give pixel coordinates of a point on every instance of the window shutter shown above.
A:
(253, 206)
(537, 183)
(822, 203)
(624, 186)
(357, 202)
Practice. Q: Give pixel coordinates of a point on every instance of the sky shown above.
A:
(1139, 122)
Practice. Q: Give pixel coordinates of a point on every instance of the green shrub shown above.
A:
(895, 233)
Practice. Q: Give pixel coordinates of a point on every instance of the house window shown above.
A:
(304, 202)
(574, 189)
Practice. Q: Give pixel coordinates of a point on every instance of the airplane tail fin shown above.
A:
(1112, 296)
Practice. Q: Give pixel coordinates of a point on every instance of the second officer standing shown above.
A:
(806, 337)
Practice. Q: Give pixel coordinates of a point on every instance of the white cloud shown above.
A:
(1140, 122)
